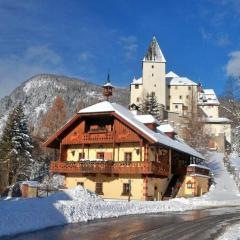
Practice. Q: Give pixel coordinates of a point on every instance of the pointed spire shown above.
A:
(154, 52)
(107, 88)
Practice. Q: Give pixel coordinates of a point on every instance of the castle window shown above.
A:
(180, 97)
(152, 74)
(153, 94)
(187, 97)
(169, 97)
(168, 107)
(152, 66)
(137, 86)
(126, 189)
(155, 85)
(189, 87)
(176, 106)
(99, 188)
(138, 99)
(128, 157)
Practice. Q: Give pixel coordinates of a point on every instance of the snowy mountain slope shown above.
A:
(38, 93)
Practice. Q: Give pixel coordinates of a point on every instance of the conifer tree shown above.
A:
(150, 105)
(16, 146)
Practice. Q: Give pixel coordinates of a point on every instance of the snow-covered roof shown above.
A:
(180, 81)
(130, 118)
(166, 128)
(137, 81)
(154, 52)
(208, 97)
(217, 120)
(108, 84)
(171, 74)
(146, 119)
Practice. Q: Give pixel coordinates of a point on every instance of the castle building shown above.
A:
(181, 97)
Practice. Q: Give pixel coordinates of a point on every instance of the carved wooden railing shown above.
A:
(97, 137)
(109, 167)
(197, 169)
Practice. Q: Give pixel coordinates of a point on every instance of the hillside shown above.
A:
(38, 93)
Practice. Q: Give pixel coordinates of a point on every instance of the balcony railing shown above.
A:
(197, 169)
(110, 167)
(98, 137)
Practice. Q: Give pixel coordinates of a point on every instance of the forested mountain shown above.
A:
(38, 93)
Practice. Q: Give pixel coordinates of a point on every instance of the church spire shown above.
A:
(154, 52)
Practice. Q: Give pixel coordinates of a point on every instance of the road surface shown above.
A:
(197, 225)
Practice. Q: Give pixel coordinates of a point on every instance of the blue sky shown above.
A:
(82, 38)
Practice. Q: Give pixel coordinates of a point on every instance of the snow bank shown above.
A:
(78, 205)
(231, 233)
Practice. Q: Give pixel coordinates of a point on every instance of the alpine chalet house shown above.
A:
(120, 155)
(180, 97)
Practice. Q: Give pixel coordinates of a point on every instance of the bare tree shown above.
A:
(54, 118)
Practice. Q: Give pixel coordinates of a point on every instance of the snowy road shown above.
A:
(197, 224)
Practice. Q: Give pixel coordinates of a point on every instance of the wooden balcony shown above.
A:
(197, 169)
(97, 137)
(147, 168)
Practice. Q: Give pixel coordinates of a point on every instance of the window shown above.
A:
(80, 183)
(189, 185)
(168, 107)
(137, 86)
(169, 97)
(138, 99)
(73, 153)
(189, 87)
(176, 106)
(187, 97)
(155, 85)
(153, 94)
(152, 66)
(152, 74)
(180, 97)
(81, 155)
(99, 188)
(128, 157)
(126, 189)
(100, 155)
(175, 87)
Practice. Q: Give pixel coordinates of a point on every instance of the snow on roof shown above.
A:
(208, 97)
(108, 84)
(137, 81)
(146, 118)
(217, 120)
(171, 74)
(154, 52)
(181, 81)
(165, 128)
(130, 117)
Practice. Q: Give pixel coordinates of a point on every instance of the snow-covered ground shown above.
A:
(78, 204)
(232, 233)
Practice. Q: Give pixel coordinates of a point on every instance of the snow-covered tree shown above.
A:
(150, 105)
(16, 146)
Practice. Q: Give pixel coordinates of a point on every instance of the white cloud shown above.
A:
(233, 65)
(129, 45)
(16, 68)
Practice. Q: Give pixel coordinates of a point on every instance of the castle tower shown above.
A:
(153, 72)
